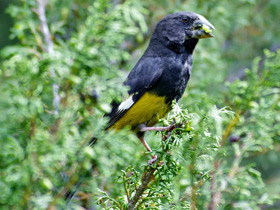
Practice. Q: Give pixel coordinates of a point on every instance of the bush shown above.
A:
(56, 87)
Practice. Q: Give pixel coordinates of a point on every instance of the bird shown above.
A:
(161, 74)
(158, 78)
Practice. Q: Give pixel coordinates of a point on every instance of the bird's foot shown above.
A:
(153, 160)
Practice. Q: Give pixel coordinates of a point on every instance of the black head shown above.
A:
(178, 28)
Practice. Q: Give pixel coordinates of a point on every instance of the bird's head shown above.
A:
(182, 26)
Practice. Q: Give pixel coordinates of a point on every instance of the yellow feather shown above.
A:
(147, 110)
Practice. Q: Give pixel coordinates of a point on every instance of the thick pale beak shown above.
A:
(202, 28)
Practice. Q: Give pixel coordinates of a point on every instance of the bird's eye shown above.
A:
(185, 20)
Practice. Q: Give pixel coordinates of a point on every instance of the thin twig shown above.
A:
(126, 189)
(49, 49)
(192, 168)
(236, 161)
(229, 128)
(215, 193)
(149, 171)
(140, 190)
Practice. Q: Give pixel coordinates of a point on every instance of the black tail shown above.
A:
(92, 141)
(71, 192)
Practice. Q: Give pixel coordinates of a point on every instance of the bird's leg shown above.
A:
(168, 128)
(142, 140)
(143, 129)
(140, 136)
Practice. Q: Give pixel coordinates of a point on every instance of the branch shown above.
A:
(49, 49)
(150, 170)
(148, 175)
(215, 193)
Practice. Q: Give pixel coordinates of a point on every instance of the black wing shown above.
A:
(142, 77)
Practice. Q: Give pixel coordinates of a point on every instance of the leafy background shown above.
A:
(226, 156)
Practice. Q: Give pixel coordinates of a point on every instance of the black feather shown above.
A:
(166, 65)
(142, 78)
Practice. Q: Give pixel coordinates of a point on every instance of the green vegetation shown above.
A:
(55, 88)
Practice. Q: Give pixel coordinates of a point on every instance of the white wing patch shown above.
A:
(122, 109)
(126, 104)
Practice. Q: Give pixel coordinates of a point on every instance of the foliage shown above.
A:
(226, 136)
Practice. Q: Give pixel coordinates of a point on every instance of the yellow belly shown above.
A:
(147, 110)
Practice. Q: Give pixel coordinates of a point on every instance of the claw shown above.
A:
(153, 160)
